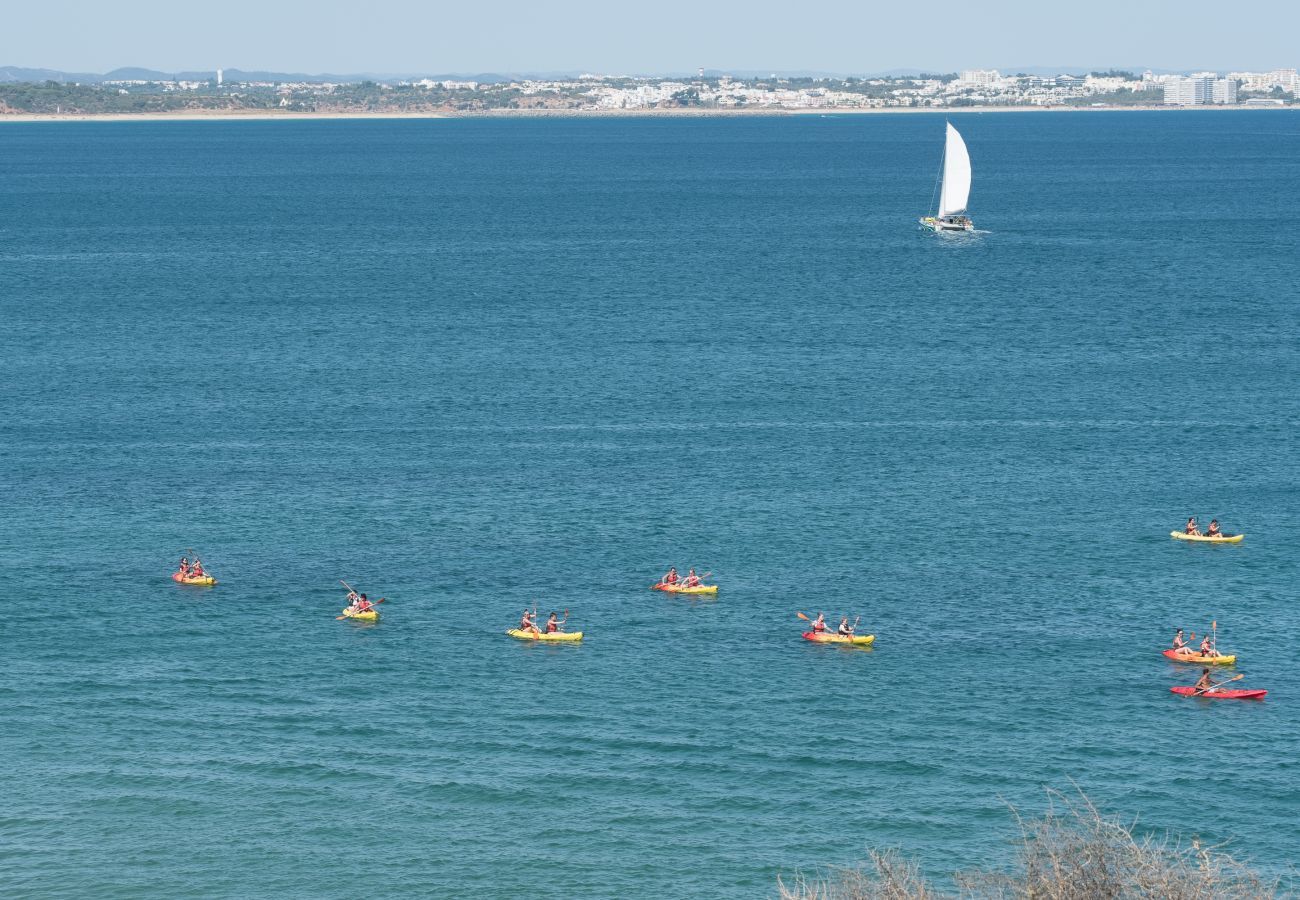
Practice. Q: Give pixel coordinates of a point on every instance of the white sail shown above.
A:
(956, 175)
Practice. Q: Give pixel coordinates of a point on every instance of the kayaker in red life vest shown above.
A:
(1213, 530)
(363, 605)
(671, 577)
(1190, 527)
(528, 623)
(1180, 645)
(553, 624)
(691, 579)
(845, 629)
(196, 570)
(1207, 647)
(819, 623)
(185, 566)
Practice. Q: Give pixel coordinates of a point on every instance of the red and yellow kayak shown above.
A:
(370, 615)
(1204, 539)
(1198, 659)
(554, 636)
(827, 637)
(204, 580)
(678, 589)
(1186, 691)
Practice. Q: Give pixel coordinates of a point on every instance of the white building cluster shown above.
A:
(1199, 89)
(972, 87)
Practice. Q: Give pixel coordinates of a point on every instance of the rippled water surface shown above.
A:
(473, 365)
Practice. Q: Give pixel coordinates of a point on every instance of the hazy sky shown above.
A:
(615, 36)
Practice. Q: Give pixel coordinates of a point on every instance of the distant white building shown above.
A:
(1286, 79)
(1180, 91)
(220, 76)
(980, 76)
(1199, 89)
(1224, 91)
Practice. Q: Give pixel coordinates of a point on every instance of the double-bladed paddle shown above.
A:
(1215, 687)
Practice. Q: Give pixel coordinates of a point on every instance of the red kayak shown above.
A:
(1219, 695)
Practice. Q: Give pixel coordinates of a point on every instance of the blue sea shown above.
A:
(474, 366)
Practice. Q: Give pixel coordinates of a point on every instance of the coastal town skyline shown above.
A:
(135, 91)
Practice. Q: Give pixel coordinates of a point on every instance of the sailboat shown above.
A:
(955, 189)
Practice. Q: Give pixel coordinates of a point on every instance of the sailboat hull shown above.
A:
(948, 224)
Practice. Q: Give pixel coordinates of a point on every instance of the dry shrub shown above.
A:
(887, 876)
(1071, 853)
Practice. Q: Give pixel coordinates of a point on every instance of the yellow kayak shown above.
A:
(204, 580)
(368, 616)
(827, 637)
(678, 589)
(1221, 539)
(544, 636)
(1198, 659)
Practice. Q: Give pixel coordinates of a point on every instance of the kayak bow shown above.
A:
(371, 615)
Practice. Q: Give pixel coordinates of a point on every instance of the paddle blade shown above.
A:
(802, 616)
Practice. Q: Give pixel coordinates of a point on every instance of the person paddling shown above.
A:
(1207, 647)
(185, 567)
(671, 577)
(1205, 683)
(553, 625)
(1180, 645)
(845, 629)
(528, 623)
(196, 570)
(692, 580)
(362, 605)
(819, 623)
(1190, 527)
(1213, 530)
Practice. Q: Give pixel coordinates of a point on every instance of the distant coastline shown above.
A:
(687, 113)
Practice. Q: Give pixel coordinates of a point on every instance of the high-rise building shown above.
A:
(1180, 91)
(1196, 89)
(980, 76)
(219, 75)
(1225, 90)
